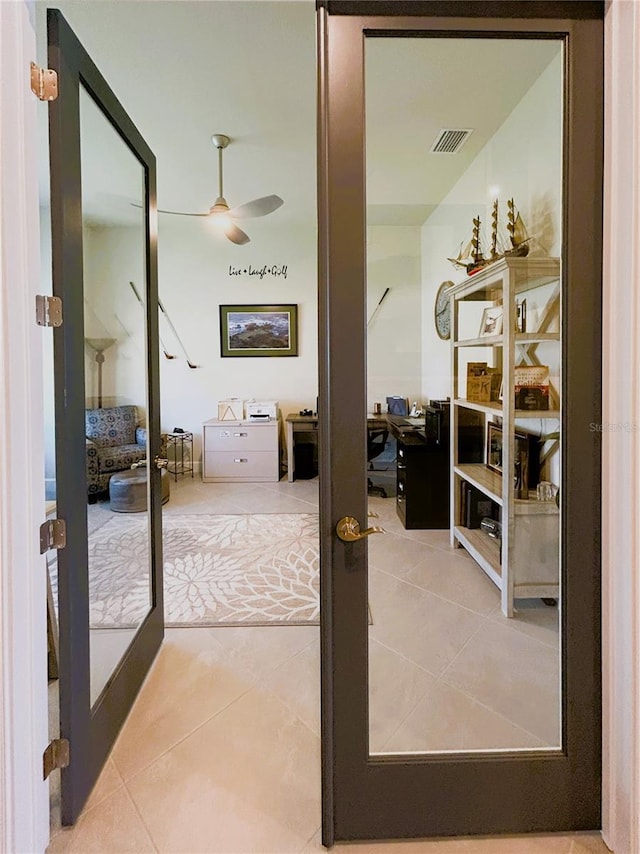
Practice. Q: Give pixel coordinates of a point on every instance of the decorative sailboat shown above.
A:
(517, 232)
(463, 257)
(471, 258)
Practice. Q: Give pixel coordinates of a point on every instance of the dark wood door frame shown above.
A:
(91, 730)
(396, 796)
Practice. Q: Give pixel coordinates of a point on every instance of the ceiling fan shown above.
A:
(220, 210)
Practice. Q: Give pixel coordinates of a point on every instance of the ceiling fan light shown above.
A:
(222, 221)
(220, 207)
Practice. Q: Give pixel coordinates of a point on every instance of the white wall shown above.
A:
(394, 334)
(523, 161)
(194, 280)
(197, 275)
(113, 257)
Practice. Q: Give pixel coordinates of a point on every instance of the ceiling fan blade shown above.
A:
(235, 234)
(257, 207)
(175, 213)
(182, 213)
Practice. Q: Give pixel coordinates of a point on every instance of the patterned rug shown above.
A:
(255, 569)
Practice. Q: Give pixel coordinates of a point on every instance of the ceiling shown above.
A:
(246, 68)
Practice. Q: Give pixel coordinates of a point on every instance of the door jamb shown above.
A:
(621, 447)
(24, 816)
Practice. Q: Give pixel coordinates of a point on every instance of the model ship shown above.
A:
(517, 232)
(471, 257)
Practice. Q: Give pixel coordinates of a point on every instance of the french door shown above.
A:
(495, 685)
(106, 380)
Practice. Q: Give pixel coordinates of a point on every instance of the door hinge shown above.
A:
(48, 310)
(55, 756)
(53, 535)
(44, 82)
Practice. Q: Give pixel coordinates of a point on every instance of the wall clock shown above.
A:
(442, 311)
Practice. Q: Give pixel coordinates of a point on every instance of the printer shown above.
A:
(261, 410)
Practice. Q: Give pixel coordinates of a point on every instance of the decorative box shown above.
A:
(231, 410)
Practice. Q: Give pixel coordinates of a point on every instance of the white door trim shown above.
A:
(621, 432)
(24, 810)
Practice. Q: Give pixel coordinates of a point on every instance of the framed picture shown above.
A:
(491, 323)
(521, 316)
(521, 458)
(494, 447)
(258, 330)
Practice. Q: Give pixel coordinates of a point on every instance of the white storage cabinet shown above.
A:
(238, 451)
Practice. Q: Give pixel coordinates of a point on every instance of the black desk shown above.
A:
(422, 473)
(304, 425)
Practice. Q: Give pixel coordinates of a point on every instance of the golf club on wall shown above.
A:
(375, 310)
(175, 332)
(167, 354)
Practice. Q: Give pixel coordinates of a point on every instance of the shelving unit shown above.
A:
(525, 563)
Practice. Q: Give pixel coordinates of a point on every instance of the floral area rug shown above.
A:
(255, 569)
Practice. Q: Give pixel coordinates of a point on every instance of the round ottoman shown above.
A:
(128, 490)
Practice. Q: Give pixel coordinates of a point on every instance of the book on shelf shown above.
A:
(475, 505)
(531, 387)
(533, 375)
(532, 397)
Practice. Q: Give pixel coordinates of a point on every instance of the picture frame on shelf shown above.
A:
(259, 330)
(494, 447)
(521, 316)
(491, 322)
(521, 458)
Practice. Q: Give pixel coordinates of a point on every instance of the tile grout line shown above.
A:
(141, 817)
(432, 593)
(181, 739)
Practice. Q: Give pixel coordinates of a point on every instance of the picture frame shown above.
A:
(491, 322)
(258, 330)
(521, 460)
(494, 447)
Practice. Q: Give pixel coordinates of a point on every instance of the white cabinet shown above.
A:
(525, 563)
(240, 451)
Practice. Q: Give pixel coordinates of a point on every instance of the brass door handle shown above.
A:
(348, 530)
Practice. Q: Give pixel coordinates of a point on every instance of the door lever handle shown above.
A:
(348, 530)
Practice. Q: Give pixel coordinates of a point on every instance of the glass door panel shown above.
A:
(464, 240)
(107, 409)
(116, 391)
(460, 648)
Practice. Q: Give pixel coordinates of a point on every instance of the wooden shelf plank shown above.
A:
(537, 413)
(493, 407)
(484, 550)
(535, 337)
(485, 341)
(525, 273)
(483, 478)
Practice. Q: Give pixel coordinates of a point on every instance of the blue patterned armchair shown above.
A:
(114, 442)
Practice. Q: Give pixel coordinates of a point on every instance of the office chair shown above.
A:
(376, 442)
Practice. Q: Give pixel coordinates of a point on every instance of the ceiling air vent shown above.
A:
(450, 141)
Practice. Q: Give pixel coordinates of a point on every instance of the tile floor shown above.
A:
(221, 751)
